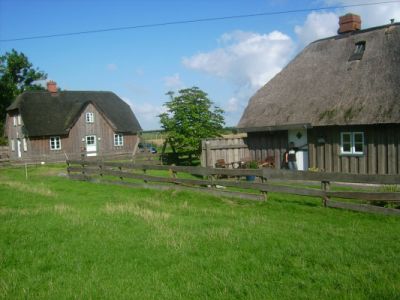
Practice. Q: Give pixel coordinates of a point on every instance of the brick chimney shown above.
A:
(348, 23)
(52, 86)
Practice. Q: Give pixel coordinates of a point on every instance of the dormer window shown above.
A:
(89, 117)
(358, 51)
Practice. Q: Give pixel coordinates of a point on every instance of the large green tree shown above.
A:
(191, 116)
(17, 75)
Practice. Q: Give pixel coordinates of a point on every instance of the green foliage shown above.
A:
(191, 116)
(253, 164)
(62, 239)
(16, 76)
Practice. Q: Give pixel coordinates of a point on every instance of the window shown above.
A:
(15, 120)
(55, 143)
(24, 144)
(12, 145)
(358, 51)
(118, 140)
(89, 117)
(352, 143)
(19, 121)
(90, 140)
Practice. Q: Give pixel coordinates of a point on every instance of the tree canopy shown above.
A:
(17, 75)
(191, 116)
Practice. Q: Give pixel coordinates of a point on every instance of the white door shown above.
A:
(19, 148)
(299, 138)
(91, 146)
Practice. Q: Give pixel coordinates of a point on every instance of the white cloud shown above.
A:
(324, 24)
(233, 105)
(146, 113)
(245, 58)
(371, 15)
(317, 26)
(112, 67)
(173, 81)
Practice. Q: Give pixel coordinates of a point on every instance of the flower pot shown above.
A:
(250, 177)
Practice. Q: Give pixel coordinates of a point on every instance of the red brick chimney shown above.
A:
(349, 22)
(52, 86)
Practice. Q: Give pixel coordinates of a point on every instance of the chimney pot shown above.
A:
(52, 86)
(348, 23)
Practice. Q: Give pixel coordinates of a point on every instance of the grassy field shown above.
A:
(66, 239)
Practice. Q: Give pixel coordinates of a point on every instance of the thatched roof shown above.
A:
(321, 86)
(44, 113)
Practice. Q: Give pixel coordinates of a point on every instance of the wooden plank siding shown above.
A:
(264, 144)
(381, 150)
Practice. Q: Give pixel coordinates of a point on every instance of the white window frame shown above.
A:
(118, 139)
(89, 117)
(55, 143)
(352, 143)
(24, 145)
(12, 145)
(19, 120)
(15, 120)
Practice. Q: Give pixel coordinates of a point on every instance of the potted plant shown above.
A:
(251, 165)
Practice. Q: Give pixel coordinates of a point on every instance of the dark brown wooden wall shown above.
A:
(264, 144)
(381, 150)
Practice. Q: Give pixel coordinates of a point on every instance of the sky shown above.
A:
(229, 59)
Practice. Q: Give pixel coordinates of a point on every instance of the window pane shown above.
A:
(358, 148)
(346, 147)
(358, 137)
(55, 143)
(346, 137)
(89, 117)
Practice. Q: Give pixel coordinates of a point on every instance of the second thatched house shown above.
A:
(341, 97)
(55, 125)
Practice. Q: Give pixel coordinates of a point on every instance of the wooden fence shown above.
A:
(212, 180)
(228, 149)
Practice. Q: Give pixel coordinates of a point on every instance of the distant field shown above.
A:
(68, 239)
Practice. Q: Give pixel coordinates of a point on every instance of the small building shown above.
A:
(340, 97)
(54, 125)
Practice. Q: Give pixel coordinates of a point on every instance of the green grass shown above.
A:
(67, 239)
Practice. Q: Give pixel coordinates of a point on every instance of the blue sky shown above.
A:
(228, 59)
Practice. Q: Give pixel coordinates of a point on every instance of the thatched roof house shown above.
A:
(326, 85)
(53, 125)
(351, 79)
(45, 114)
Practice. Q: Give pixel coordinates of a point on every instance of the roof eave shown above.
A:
(275, 128)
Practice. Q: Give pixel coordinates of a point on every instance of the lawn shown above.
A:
(68, 239)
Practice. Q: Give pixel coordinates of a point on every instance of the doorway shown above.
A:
(91, 145)
(299, 138)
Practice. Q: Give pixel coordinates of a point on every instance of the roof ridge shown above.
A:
(347, 34)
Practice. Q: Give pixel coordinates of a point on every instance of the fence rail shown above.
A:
(209, 179)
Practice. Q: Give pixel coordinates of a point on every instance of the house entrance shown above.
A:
(19, 152)
(299, 138)
(91, 145)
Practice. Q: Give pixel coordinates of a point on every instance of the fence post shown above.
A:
(120, 169)
(264, 180)
(144, 173)
(68, 170)
(172, 173)
(101, 169)
(325, 186)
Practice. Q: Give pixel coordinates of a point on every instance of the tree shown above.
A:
(16, 76)
(191, 116)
